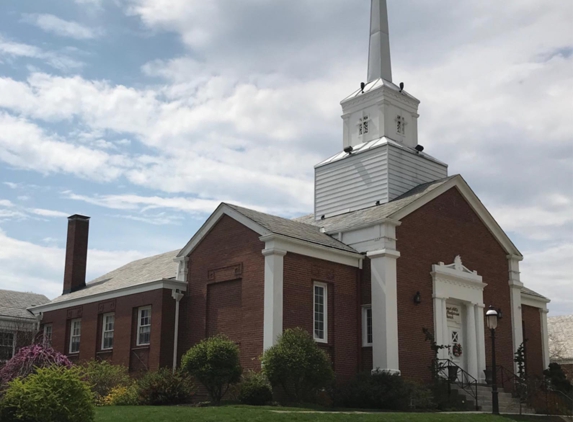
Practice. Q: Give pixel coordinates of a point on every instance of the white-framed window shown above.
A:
(7, 345)
(367, 325)
(108, 326)
(320, 310)
(363, 125)
(75, 334)
(144, 326)
(48, 335)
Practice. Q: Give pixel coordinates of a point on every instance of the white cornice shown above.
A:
(99, 297)
(534, 301)
(283, 243)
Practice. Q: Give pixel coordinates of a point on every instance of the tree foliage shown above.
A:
(298, 365)
(214, 362)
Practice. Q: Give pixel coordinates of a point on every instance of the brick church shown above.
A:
(395, 245)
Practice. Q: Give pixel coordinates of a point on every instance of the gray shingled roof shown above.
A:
(373, 214)
(142, 271)
(14, 304)
(532, 293)
(560, 330)
(292, 228)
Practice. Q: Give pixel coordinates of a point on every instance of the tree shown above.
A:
(298, 365)
(214, 362)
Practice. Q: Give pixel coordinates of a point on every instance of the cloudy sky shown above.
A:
(145, 114)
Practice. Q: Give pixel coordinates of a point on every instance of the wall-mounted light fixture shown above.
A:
(499, 314)
(417, 298)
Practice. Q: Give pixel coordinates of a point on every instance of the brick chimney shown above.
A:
(76, 253)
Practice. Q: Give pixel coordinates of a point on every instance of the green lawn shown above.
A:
(274, 414)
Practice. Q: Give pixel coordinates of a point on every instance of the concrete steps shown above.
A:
(507, 403)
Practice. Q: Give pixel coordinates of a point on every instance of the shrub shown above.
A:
(102, 377)
(255, 389)
(557, 378)
(54, 394)
(28, 360)
(214, 362)
(380, 390)
(122, 395)
(298, 365)
(165, 388)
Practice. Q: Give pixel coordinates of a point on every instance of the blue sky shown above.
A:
(145, 114)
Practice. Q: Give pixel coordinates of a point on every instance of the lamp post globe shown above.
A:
(491, 319)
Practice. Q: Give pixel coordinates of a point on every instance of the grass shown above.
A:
(260, 414)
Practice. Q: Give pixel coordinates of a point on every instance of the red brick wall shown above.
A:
(158, 353)
(533, 346)
(437, 232)
(226, 290)
(300, 272)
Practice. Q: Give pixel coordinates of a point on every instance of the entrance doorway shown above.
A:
(456, 336)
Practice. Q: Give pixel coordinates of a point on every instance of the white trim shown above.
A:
(100, 297)
(103, 330)
(324, 286)
(365, 309)
(139, 326)
(313, 250)
(72, 323)
(273, 295)
(177, 295)
(534, 301)
(460, 184)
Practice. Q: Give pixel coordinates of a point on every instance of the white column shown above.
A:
(515, 286)
(384, 310)
(273, 302)
(544, 338)
(479, 317)
(471, 340)
(440, 324)
(445, 340)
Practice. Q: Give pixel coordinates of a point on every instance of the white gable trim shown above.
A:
(534, 301)
(98, 297)
(213, 219)
(460, 184)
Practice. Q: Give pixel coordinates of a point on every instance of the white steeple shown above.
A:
(379, 63)
(381, 158)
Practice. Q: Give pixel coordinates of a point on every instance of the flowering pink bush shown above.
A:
(28, 359)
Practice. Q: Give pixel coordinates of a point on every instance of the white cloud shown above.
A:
(6, 203)
(61, 27)
(58, 61)
(48, 213)
(44, 273)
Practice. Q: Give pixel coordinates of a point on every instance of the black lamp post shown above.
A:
(491, 317)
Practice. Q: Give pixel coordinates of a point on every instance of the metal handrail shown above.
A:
(463, 379)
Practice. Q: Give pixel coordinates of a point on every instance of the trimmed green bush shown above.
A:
(102, 377)
(122, 396)
(380, 390)
(164, 388)
(53, 394)
(298, 366)
(214, 362)
(255, 389)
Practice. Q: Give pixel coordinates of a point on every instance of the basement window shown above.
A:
(144, 326)
(320, 312)
(367, 326)
(108, 326)
(7, 345)
(75, 334)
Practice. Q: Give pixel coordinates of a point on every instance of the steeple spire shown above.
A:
(379, 64)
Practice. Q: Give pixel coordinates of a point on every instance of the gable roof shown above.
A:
(15, 304)
(266, 224)
(410, 202)
(525, 290)
(142, 271)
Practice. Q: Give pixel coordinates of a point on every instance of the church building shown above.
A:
(395, 245)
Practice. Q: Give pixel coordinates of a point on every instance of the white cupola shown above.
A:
(381, 158)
